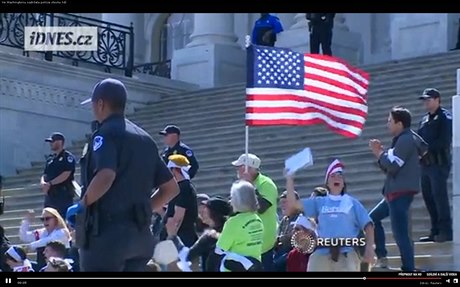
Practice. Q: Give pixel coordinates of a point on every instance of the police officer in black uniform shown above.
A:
(171, 138)
(123, 168)
(436, 129)
(57, 178)
(320, 26)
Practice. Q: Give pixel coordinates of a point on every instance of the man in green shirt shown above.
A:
(267, 195)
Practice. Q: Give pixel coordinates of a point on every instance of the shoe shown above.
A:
(381, 263)
(443, 238)
(429, 238)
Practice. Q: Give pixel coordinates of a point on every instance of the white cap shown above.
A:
(304, 222)
(251, 161)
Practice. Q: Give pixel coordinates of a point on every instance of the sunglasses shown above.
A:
(45, 219)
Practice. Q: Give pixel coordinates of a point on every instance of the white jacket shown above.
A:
(40, 237)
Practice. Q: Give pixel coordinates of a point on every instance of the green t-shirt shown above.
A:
(243, 234)
(268, 190)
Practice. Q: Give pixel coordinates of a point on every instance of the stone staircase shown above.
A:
(212, 122)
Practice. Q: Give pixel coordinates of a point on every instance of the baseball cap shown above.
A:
(108, 89)
(430, 94)
(170, 129)
(251, 160)
(304, 222)
(219, 206)
(55, 137)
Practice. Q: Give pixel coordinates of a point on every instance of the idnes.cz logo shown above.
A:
(60, 38)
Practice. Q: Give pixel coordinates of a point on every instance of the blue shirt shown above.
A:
(338, 217)
(268, 22)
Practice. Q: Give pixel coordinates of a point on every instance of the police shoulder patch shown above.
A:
(189, 152)
(70, 159)
(447, 114)
(97, 142)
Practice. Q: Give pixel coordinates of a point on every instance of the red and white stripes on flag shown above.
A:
(288, 88)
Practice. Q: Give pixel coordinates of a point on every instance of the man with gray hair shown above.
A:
(267, 196)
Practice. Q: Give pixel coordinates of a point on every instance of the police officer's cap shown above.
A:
(170, 129)
(430, 94)
(111, 90)
(55, 137)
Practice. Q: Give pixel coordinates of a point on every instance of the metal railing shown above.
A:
(160, 69)
(115, 49)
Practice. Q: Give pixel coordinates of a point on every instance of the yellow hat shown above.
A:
(179, 160)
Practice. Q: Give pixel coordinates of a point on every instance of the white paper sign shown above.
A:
(298, 161)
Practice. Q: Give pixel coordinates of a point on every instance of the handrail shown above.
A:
(115, 42)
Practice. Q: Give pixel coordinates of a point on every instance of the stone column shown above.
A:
(213, 28)
(419, 34)
(212, 58)
(126, 19)
(456, 174)
(300, 21)
(345, 43)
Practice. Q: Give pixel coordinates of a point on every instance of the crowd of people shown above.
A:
(129, 189)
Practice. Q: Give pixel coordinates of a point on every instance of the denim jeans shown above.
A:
(399, 215)
(377, 214)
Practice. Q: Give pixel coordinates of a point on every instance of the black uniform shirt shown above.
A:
(123, 147)
(57, 164)
(436, 130)
(182, 149)
(187, 200)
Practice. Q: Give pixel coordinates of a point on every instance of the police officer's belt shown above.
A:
(121, 216)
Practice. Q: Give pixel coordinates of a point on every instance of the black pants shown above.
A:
(119, 247)
(458, 36)
(60, 200)
(321, 35)
(434, 190)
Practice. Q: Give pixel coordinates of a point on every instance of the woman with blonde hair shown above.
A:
(54, 229)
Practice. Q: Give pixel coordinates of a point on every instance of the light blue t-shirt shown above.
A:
(338, 217)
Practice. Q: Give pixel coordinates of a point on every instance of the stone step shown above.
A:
(389, 70)
(376, 93)
(426, 262)
(369, 197)
(431, 248)
(432, 60)
(376, 97)
(14, 220)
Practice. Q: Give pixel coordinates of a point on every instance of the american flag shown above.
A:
(289, 88)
